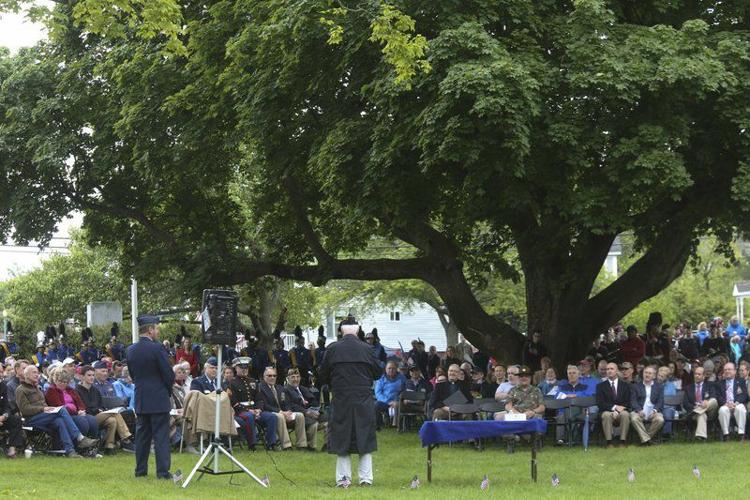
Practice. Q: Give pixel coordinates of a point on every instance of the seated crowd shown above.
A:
(646, 383)
(85, 401)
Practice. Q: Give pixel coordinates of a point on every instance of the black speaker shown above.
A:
(219, 316)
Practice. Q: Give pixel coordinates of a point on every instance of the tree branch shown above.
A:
(303, 221)
(157, 231)
(657, 268)
(355, 269)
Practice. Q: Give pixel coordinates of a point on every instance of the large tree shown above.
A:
(239, 139)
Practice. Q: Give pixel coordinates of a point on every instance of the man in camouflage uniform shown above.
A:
(524, 398)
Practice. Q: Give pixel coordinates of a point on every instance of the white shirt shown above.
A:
(505, 387)
(648, 406)
(613, 384)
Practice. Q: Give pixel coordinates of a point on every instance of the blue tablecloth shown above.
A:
(443, 431)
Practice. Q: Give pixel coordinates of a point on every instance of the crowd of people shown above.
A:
(647, 382)
(84, 399)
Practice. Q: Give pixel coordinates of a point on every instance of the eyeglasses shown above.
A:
(513, 373)
(271, 376)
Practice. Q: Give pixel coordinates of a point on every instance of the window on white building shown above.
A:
(395, 316)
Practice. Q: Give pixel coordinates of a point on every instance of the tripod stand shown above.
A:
(216, 448)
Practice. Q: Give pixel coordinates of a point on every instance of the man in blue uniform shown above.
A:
(153, 379)
(207, 382)
(301, 358)
(9, 347)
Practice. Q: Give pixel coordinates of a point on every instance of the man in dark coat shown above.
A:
(153, 379)
(613, 399)
(281, 356)
(350, 369)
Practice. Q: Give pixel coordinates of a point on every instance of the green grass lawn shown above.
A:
(661, 472)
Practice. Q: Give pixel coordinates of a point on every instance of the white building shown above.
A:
(397, 325)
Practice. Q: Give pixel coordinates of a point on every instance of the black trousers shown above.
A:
(15, 435)
(152, 426)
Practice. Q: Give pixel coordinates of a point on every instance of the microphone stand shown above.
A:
(216, 448)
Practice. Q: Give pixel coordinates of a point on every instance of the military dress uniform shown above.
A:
(9, 348)
(301, 358)
(243, 392)
(153, 379)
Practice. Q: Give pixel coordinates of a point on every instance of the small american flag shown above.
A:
(344, 482)
(631, 475)
(485, 483)
(555, 480)
(696, 472)
(414, 483)
(266, 480)
(177, 477)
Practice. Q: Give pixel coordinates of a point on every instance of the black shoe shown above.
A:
(141, 474)
(110, 451)
(128, 446)
(168, 476)
(647, 443)
(724, 438)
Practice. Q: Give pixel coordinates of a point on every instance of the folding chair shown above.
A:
(464, 409)
(675, 401)
(408, 401)
(555, 405)
(583, 403)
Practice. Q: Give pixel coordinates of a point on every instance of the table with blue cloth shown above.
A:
(443, 431)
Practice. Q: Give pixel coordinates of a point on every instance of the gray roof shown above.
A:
(616, 248)
(743, 287)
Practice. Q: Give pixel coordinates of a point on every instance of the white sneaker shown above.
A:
(191, 449)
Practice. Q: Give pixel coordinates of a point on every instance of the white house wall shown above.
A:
(421, 322)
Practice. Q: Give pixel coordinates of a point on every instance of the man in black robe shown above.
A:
(350, 368)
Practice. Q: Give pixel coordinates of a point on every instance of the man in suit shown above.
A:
(301, 400)
(153, 379)
(647, 403)
(701, 402)
(732, 398)
(446, 388)
(207, 382)
(243, 394)
(613, 400)
(274, 400)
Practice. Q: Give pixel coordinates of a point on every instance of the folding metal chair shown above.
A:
(407, 401)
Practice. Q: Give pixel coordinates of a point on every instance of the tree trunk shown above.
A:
(479, 328)
(451, 330)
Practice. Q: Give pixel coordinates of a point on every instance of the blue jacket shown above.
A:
(736, 330)
(202, 384)
(387, 390)
(125, 391)
(152, 376)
